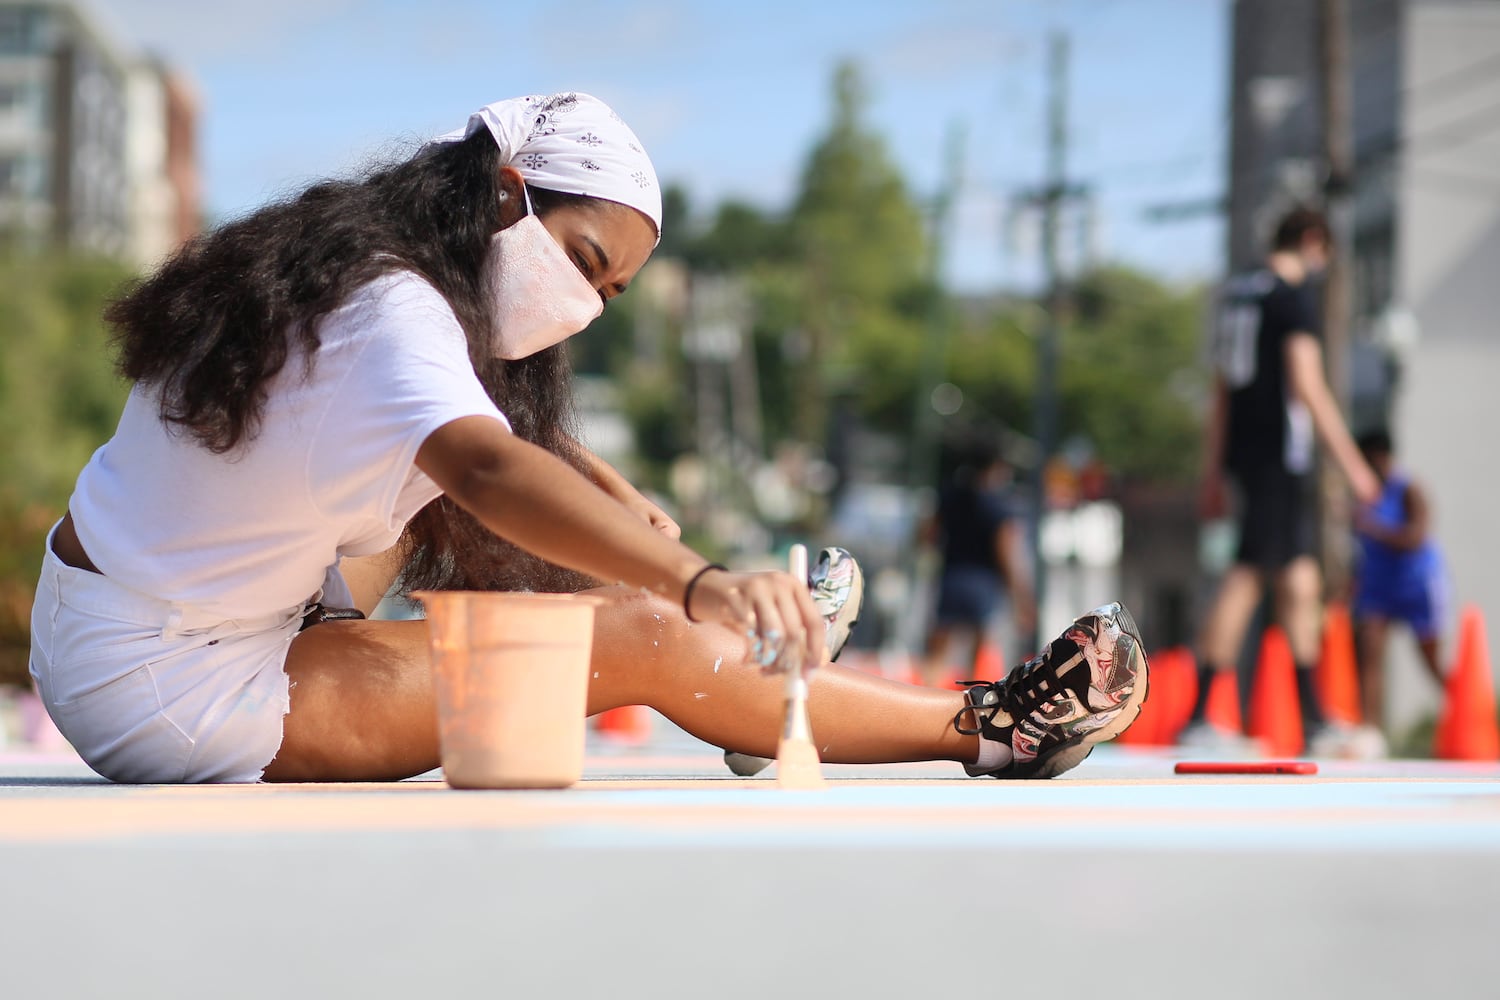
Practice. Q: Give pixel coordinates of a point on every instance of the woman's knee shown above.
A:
(643, 633)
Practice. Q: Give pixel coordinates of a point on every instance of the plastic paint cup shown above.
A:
(510, 673)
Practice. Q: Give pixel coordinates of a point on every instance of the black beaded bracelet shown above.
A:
(687, 593)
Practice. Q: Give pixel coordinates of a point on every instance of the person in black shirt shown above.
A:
(1271, 399)
(982, 551)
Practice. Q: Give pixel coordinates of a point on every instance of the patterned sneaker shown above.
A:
(1086, 687)
(838, 590)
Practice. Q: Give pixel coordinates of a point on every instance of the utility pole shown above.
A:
(924, 442)
(922, 466)
(1051, 198)
(1338, 154)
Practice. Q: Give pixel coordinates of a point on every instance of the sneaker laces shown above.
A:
(1006, 691)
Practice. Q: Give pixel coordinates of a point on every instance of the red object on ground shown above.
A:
(630, 724)
(1246, 767)
(1467, 729)
(1337, 673)
(1275, 710)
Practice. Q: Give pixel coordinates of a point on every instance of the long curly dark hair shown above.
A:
(223, 315)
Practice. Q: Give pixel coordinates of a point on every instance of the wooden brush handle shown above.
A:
(796, 565)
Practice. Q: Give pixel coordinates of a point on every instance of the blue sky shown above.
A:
(729, 97)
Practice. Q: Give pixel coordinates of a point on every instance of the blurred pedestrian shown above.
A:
(1400, 578)
(1271, 398)
(311, 375)
(982, 546)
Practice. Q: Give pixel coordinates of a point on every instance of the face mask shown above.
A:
(540, 298)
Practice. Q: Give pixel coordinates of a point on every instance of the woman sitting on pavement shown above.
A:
(311, 376)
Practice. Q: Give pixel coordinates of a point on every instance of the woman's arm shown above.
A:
(536, 500)
(608, 479)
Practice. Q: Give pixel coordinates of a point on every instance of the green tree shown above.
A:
(740, 239)
(862, 251)
(843, 301)
(59, 400)
(837, 285)
(992, 360)
(1130, 373)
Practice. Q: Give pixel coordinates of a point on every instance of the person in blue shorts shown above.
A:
(983, 551)
(1401, 576)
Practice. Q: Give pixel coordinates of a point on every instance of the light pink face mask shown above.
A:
(540, 297)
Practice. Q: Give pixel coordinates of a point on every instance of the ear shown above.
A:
(512, 196)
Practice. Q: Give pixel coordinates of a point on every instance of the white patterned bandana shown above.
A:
(571, 143)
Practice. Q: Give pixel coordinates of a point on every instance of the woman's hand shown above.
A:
(608, 479)
(649, 512)
(774, 611)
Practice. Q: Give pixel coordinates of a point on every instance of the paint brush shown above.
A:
(797, 763)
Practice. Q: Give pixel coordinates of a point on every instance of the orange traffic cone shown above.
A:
(988, 662)
(1275, 710)
(1223, 711)
(1337, 674)
(628, 724)
(1179, 694)
(1174, 686)
(1467, 728)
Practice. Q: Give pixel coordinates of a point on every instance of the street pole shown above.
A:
(1054, 192)
(922, 467)
(924, 443)
(1338, 153)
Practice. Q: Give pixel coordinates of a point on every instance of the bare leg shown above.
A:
(973, 638)
(646, 653)
(363, 705)
(939, 659)
(1431, 657)
(935, 660)
(1299, 607)
(1371, 634)
(1229, 617)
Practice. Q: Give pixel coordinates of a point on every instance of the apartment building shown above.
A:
(97, 143)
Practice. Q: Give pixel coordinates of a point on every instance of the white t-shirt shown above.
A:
(329, 473)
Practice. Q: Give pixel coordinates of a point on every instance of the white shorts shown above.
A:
(148, 691)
